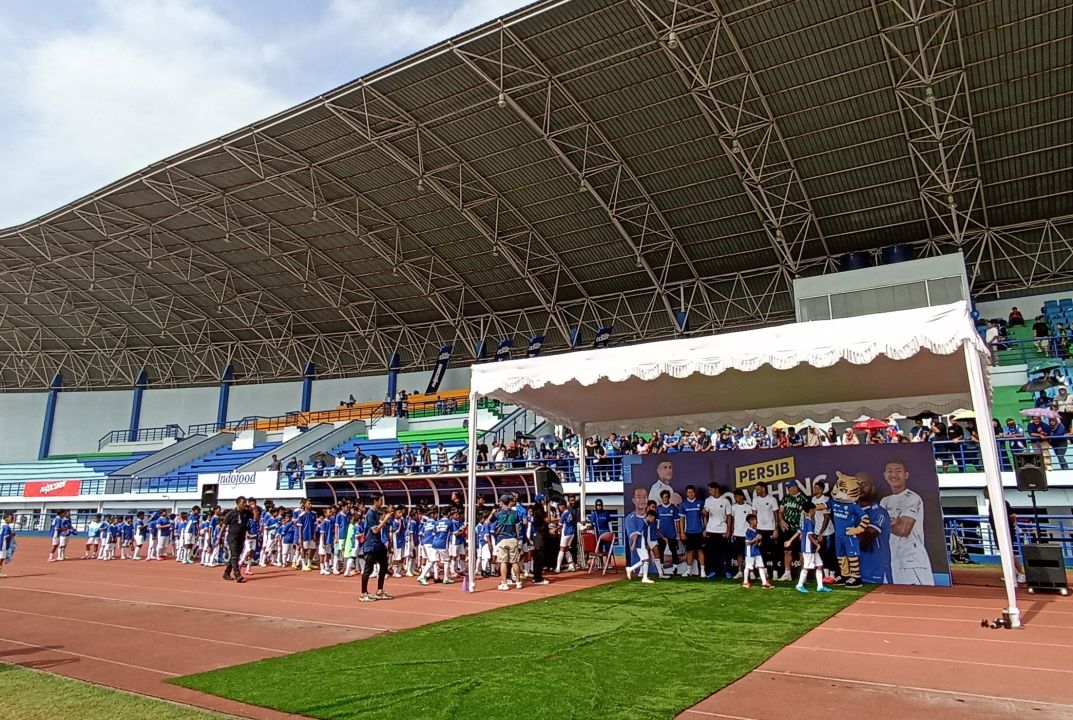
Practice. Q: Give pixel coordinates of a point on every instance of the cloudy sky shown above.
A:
(92, 90)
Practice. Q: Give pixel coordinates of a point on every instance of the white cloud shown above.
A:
(148, 80)
(82, 105)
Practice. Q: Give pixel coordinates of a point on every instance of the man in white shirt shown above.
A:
(910, 564)
(739, 511)
(766, 509)
(991, 339)
(718, 525)
(664, 475)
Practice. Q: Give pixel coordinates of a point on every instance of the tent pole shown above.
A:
(993, 477)
(471, 495)
(583, 470)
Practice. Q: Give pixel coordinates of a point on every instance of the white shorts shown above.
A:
(811, 561)
(91, 541)
(138, 540)
(163, 542)
(911, 576)
(188, 539)
(287, 547)
(398, 553)
(249, 547)
(431, 553)
(309, 544)
(323, 549)
(754, 562)
(452, 550)
(566, 541)
(408, 550)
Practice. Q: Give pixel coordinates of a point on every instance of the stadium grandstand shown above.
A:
(292, 310)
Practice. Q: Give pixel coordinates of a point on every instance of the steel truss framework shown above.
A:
(580, 164)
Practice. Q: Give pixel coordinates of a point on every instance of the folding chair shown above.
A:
(603, 551)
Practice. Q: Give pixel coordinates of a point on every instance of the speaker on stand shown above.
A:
(1045, 567)
(210, 495)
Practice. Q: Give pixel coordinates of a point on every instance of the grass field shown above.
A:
(616, 651)
(34, 695)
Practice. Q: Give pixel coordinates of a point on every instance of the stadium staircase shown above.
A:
(321, 438)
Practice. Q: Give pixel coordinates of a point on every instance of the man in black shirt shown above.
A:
(1012, 520)
(540, 538)
(235, 523)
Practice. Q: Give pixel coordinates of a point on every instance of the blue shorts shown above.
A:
(847, 545)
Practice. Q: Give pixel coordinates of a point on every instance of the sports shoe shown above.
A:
(738, 576)
(629, 573)
(3, 575)
(542, 582)
(785, 577)
(382, 595)
(711, 576)
(503, 586)
(571, 568)
(768, 586)
(518, 585)
(648, 581)
(1020, 578)
(409, 574)
(829, 580)
(801, 589)
(366, 597)
(823, 589)
(448, 581)
(746, 585)
(423, 581)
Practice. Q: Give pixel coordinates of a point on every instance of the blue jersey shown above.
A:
(289, 533)
(401, 528)
(875, 555)
(752, 550)
(481, 532)
(601, 521)
(128, 531)
(163, 527)
(428, 531)
(7, 535)
(325, 528)
(634, 528)
(104, 529)
(308, 523)
(56, 526)
(569, 522)
(458, 537)
(692, 510)
(808, 529)
(440, 533)
(253, 527)
(667, 520)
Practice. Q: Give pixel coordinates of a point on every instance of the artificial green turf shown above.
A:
(34, 695)
(622, 650)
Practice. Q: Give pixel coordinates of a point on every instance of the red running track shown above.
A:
(134, 625)
(917, 653)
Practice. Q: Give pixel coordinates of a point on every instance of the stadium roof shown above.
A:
(580, 163)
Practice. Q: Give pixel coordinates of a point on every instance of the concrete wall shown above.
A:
(179, 406)
(83, 417)
(21, 418)
(264, 400)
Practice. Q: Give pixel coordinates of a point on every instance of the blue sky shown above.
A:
(92, 90)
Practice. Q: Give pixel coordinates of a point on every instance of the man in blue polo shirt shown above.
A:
(506, 530)
(693, 515)
(307, 524)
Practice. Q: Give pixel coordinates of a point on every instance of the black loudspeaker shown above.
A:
(209, 495)
(1030, 472)
(547, 483)
(1045, 568)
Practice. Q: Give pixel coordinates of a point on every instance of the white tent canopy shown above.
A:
(906, 361)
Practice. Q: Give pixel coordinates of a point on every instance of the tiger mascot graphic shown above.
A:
(850, 521)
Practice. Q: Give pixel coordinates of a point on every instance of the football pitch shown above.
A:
(621, 650)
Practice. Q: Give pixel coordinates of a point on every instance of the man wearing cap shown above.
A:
(505, 531)
(790, 509)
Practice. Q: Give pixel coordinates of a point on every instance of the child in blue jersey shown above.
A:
(567, 535)
(484, 548)
(139, 535)
(253, 539)
(165, 528)
(179, 528)
(413, 544)
(326, 541)
(753, 557)
(342, 522)
(399, 529)
(55, 533)
(307, 523)
(103, 538)
(601, 526)
(640, 535)
(92, 538)
(151, 536)
(7, 540)
(428, 534)
(127, 537)
(458, 542)
(810, 549)
(668, 519)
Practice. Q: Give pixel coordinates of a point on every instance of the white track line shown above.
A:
(932, 659)
(88, 657)
(147, 630)
(890, 686)
(242, 613)
(944, 637)
(998, 602)
(844, 614)
(717, 715)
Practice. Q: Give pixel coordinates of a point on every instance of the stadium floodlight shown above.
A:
(502, 101)
(672, 40)
(420, 182)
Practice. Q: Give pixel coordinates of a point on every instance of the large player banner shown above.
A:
(884, 499)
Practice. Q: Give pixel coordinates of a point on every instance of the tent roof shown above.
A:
(905, 361)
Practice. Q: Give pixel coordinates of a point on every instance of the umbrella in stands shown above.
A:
(780, 425)
(963, 415)
(926, 415)
(1044, 383)
(1040, 412)
(870, 424)
(1046, 365)
(328, 458)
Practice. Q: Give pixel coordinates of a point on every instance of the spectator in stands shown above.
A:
(396, 460)
(351, 402)
(318, 466)
(409, 459)
(291, 469)
(812, 437)
(992, 339)
(275, 465)
(441, 406)
(459, 461)
(850, 438)
(403, 405)
(1056, 434)
(359, 461)
(1016, 318)
(300, 473)
(441, 458)
(340, 465)
(425, 454)
(1041, 331)
(376, 464)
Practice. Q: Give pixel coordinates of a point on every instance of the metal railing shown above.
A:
(974, 532)
(142, 435)
(1029, 351)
